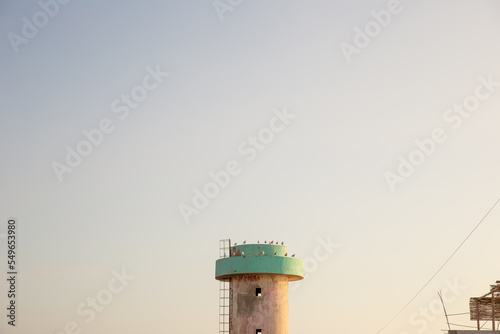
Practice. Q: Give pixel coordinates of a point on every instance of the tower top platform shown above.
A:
(264, 258)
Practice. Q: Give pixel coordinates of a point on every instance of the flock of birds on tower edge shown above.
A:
(262, 253)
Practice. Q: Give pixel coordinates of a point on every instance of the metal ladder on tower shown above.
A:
(225, 292)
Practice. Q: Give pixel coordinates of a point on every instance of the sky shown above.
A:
(136, 135)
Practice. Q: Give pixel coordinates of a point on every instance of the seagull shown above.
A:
(271, 242)
(243, 254)
(286, 254)
(293, 255)
(244, 242)
(261, 253)
(282, 243)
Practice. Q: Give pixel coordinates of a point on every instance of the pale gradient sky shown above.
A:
(322, 176)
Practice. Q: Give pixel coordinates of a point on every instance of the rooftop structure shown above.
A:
(485, 308)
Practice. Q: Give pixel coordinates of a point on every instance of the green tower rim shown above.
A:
(259, 259)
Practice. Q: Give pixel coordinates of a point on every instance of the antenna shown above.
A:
(444, 308)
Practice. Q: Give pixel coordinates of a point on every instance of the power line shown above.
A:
(442, 266)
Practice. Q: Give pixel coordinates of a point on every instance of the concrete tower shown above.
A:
(258, 276)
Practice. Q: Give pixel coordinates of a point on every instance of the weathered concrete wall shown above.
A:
(268, 312)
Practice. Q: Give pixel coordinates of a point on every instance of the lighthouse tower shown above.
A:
(255, 297)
